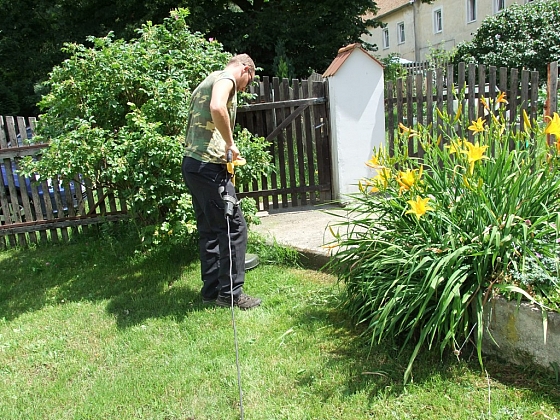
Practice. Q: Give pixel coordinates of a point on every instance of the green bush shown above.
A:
(392, 68)
(256, 151)
(116, 113)
(521, 36)
(428, 240)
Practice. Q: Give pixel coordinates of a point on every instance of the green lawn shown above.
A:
(96, 330)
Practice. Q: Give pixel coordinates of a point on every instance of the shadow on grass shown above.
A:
(136, 285)
(378, 369)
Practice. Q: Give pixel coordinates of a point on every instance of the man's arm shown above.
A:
(220, 116)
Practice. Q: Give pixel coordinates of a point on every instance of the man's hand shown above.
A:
(234, 152)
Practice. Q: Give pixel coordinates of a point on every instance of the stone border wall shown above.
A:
(516, 333)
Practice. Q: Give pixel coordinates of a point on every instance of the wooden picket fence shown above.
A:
(293, 116)
(294, 119)
(413, 100)
(33, 212)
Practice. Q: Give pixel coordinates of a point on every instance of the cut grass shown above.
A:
(96, 330)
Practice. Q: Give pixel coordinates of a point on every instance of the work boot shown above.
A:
(243, 302)
(208, 301)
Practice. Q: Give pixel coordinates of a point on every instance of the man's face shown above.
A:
(247, 78)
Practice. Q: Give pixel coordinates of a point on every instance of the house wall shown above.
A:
(357, 120)
(406, 49)
(420, 36)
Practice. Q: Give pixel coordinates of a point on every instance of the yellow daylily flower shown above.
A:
(407, 179)
(382, 177)
(477, 126)
(474, 153)
(553, 126)
(406, 130)
(419, 207)
(484, 103)
(526, 122)
(374, 163)
(365, 184)
(455, 146)
(501, 99)
(375, 184)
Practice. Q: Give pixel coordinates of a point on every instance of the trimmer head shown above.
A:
(251, 261)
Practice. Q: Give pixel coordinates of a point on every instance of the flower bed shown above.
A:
(429, 239)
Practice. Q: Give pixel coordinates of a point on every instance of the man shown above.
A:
(209, 137)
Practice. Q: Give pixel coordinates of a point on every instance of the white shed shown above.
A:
(357, 116)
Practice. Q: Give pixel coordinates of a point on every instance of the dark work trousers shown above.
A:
(204, 181)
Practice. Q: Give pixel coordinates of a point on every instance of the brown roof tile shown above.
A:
(386, 6)
(343, 54)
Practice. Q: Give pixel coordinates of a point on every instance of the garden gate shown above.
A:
(295, 120)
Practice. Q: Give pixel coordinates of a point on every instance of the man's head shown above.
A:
(243, 69)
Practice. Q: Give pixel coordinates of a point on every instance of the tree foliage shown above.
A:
(304, 35)
(521, 36)
(32, 33)
(288, 37)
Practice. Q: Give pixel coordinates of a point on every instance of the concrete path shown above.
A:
(302, 228)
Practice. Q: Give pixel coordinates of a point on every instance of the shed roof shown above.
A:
(343, 55)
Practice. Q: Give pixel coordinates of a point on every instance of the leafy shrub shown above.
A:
(392, 68)
(256, 151)
(428, 240)
(116, 113)
(520, 36)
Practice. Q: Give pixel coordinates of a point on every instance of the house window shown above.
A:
(499, 5)
(385, 38)
(400, 33)
(471, 11)
(438, 21)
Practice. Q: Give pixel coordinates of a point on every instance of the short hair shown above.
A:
(243, 59)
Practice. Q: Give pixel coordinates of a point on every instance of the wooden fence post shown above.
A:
(551, 105)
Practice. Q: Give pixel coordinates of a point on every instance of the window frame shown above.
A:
(497, 8)
(438, 20)
(401, 34)
(471, 11)
(385, 38)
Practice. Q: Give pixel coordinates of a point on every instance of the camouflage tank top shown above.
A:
(203, 141)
